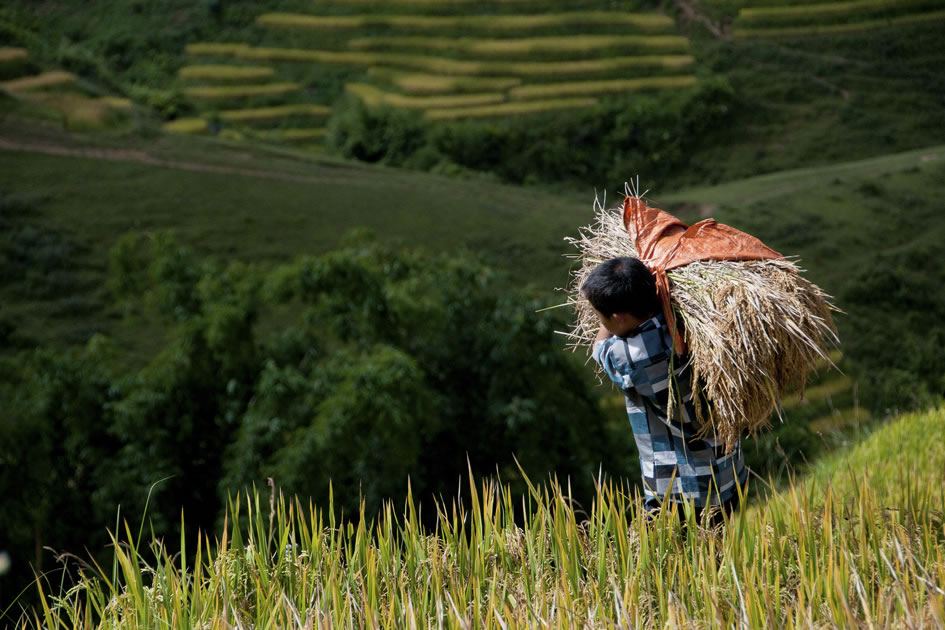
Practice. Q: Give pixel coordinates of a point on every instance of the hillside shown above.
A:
(319, 242)
(858, 545)
(531, 91)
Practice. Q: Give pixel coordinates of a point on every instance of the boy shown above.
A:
(634, 348)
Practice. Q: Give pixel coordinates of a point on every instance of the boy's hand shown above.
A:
(602, 334)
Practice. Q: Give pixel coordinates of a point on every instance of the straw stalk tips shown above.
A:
(754, 328)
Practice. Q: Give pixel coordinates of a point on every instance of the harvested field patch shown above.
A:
(221, 72)
(580, 88)
(656, 21)
(839, 29)
(209, 92)
(374, 96)
(525, 45)
(78, 110)
(510, 109)
(418, 83)
(38, 81)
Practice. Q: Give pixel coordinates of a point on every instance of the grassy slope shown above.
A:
(898, 457)
(89, 203)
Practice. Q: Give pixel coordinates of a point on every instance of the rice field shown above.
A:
(510, 109)
(12, 53)
(52, 78)
(374, 97)
(654, 21)
(581, 88)
(448, 66)
(210, 92)
(859, 544)
(225, 73)
(456, 77)
(419, 83)
(838, 29)
(525, 45)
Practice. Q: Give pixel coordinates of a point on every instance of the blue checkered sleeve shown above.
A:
(674, 462)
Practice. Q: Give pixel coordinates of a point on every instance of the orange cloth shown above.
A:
(664, 242)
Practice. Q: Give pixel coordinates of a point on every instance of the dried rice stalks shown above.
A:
(754, 328)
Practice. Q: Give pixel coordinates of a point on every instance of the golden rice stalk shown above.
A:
(754, 328)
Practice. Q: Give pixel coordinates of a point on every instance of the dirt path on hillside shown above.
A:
(143, 157)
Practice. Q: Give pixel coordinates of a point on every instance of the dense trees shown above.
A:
(363, 368)
(648, 133)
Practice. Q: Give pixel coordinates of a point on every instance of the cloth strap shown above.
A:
(663, 242)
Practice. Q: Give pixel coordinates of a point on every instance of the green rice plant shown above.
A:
(859, 545)
(839, 29)
(419, 83)
(186, 125)
(213, 49)
(510, 109)
(848, 7)
(374, 97)
(209, 92)
(275, 113)
(12, 53)
(655, 21)
(222, 72)
(580, 88)
(525, 45)
(52, 78)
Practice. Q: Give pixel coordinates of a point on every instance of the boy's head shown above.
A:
(623, 293)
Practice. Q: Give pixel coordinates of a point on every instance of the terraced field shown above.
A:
(56, 92)
(833, 18)
(448, 59)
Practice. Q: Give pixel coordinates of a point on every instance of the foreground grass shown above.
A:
(858, 545)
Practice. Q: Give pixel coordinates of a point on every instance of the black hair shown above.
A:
(622, 285)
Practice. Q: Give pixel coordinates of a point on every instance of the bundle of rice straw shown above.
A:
(753, 328)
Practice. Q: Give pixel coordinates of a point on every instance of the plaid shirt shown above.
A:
(698, 469)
